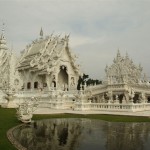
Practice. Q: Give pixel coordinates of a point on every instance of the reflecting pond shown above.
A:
(83, 134)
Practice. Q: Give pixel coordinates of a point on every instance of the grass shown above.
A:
(8, 120)
(110, 118)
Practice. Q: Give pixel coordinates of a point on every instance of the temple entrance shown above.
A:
(63, 78)
(54, 84)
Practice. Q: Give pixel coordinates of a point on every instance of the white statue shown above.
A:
(131, 94)
(142, 97)
(124, 100)
(25, 110)
(109, 95)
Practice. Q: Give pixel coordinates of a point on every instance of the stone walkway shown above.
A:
(61, 111)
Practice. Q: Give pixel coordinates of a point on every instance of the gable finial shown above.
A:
(118, 53)
(41, 33)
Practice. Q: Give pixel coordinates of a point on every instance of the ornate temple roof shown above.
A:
(123, 70)
(44, 53)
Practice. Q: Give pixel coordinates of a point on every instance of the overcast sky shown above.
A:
(97, 28)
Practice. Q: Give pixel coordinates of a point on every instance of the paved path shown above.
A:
(61, 111)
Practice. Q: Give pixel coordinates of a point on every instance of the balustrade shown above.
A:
(120, 107)
(112, 107)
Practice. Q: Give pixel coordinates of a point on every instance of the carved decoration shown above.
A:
(123, 70)
(25, 110)
(50, 55)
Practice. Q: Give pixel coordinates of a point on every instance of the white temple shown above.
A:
(49, 63)
(47, 70)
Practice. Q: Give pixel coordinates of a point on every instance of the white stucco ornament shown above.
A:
(25, 110)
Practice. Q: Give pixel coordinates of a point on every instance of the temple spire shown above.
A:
(41, 33)
(118, 55)
(3, 30)
(3, 45)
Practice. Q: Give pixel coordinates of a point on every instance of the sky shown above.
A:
(97, 28)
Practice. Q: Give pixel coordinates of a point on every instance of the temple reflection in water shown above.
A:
(83, 134)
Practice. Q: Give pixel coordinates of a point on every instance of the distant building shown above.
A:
(125, 83)
(123, 70)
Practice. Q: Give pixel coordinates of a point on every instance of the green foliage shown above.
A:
(93, 82)
(7, 120)
(89, 81)
(119, 118)
(82, 81)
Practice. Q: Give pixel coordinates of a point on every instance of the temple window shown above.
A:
(35, 85)
(29, 85)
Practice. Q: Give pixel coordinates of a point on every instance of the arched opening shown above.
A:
(29, 85)
(63, 78)
(36, 85)
(54, 83)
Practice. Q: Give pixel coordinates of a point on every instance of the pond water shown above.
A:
(83, 134)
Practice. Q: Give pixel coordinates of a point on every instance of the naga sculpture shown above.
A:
(25, 110)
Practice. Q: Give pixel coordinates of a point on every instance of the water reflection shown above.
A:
(83, 134)
(127, 136)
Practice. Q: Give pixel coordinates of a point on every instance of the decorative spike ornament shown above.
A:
(41, 33)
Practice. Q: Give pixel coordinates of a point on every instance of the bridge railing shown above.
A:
(118, 107)
(113, 107)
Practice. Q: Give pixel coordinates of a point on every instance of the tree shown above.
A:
(85, 79)
(93, 82)
(81, 81)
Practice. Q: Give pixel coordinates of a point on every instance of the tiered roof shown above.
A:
(45, 53)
